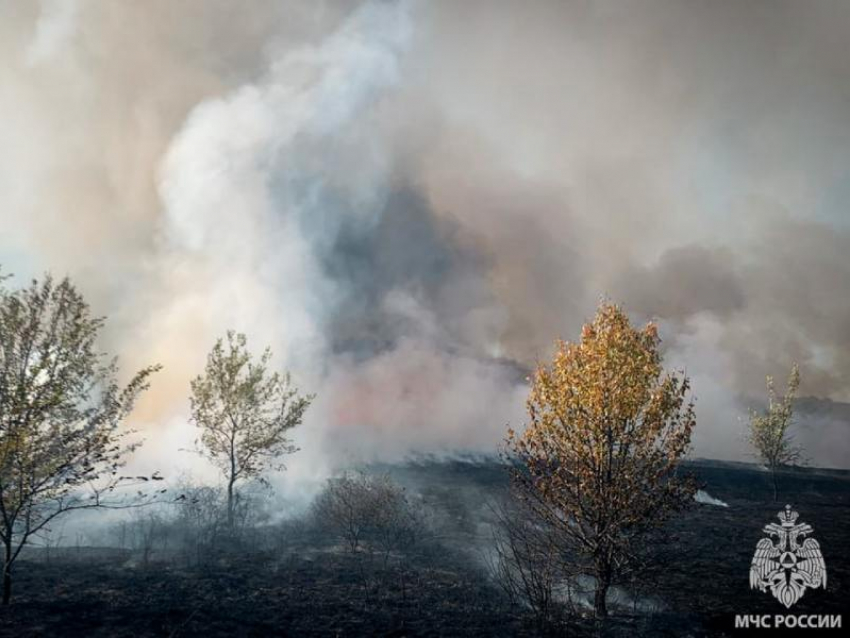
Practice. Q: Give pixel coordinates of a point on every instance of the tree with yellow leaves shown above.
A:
(598, 459)
(769, 432)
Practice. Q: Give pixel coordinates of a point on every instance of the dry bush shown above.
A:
(251, 518)
(370, 512)
(523, 564)
(529, 562)
(375, 519)
(201, 522)
(147, 533)
(206, 527)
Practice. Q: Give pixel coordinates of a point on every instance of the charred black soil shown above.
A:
(298, 582)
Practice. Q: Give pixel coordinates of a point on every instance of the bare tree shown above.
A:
(147, 529)
(368, 509)
(528, 560)
(598, 459)
(61, 445)
(374, 517)
(245, 413)
(51, 538)
(200, 520)
(769, 432)
(340, 508)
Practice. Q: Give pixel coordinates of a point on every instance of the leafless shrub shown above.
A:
(377, 521)
(147, 532)
(528, 563)
(50, 538)
(202, 520)
(368, 511)
(206, 528)
(540, 568)
(250, 518)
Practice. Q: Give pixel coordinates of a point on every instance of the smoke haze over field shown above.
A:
(409, 201)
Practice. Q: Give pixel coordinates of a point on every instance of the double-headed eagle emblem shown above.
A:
(785, 563)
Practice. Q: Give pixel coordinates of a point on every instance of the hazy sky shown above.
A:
(410, 201)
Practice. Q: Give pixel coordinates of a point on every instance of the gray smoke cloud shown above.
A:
(410, 201)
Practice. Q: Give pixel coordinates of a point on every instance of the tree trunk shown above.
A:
(230, 504)
(603, 582)
(7, 574)
(775, 487)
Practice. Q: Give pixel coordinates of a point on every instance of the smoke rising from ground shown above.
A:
(410, 201)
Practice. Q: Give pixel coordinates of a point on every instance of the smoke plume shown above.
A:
(411, 201)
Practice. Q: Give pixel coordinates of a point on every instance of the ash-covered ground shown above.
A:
(294, 579)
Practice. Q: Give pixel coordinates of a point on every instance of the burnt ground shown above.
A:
(305, 585)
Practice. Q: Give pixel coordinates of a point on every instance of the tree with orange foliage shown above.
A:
(598, 460)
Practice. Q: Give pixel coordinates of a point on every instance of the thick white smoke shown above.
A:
(410, 201)
(257, 188)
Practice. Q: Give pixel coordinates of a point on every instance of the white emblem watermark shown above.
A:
(788, 561)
